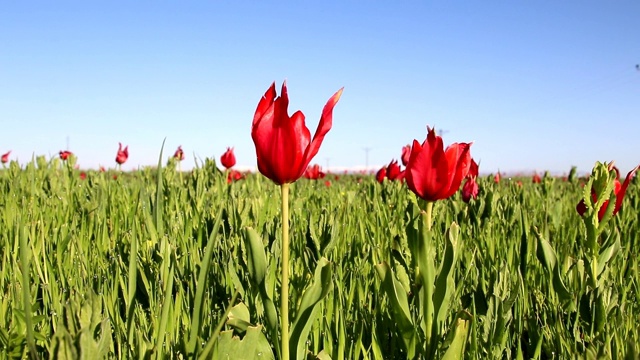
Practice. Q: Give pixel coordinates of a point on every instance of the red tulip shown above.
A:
(5, 157)
(406, 153)
(327, 183)
(434, 173)
(393, 171)
(102, 169)
(228, 159)
(536, 179)
(381, 174)
(284, 147)
(314, 172)
(473, 169)
(470, 189)
(64, 155)
(619, 190)
(123, 154)
(83, 175)
(234, 175)
(179, 154)
(496, 179)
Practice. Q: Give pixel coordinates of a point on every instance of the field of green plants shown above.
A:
(159, 263)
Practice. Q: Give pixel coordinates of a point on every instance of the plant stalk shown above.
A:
(284, 296)
(429, 211)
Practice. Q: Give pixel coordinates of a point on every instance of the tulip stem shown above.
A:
(284, 298)
(429, 211)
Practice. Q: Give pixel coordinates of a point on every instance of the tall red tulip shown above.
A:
(228, 159)
(64, 154)
(179, 154)
(284, 147)
(406, 153)
(123, 154)
(5, 157)
(496, 178)
(619, 190)
(434, 173)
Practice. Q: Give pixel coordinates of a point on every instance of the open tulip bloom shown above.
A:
(122, 155)
(228, 159)
(434, 173)
(284, 149)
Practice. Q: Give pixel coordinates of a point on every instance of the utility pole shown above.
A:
(366, 157)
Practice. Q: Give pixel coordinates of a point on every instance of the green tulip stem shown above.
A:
(284, 298)
(429, 211)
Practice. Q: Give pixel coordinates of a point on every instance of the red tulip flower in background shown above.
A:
(496, 178)
(434, 173)
(64, 155)
(228, 159)
(284, 147)
(619, 190)
(470, 189)
(83, 175)
(406, 153)
(314, 172)
(5, 157)
(536, 179)
(473, 169)
(234, 175)
(179, 154)
(393, 171)
(123, 154)
(381, 174)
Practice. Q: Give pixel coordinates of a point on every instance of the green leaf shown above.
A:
(239, 317)
(257, 260)
(545, 253)
(307, 310)
(253, 345)
(459, 336)
(608, 253)
(201, 285)
(400, 307)
(444, 285)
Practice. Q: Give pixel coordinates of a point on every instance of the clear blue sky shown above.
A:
(536, 85)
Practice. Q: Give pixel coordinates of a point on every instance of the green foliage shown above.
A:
(148, 265)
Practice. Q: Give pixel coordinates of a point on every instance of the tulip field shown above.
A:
(162, 264)
(291, 262)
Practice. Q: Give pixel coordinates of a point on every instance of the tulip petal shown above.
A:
(326, 121)
(265, 103)
(459, 161)
(623, 189)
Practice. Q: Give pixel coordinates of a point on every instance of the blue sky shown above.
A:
(536, 85)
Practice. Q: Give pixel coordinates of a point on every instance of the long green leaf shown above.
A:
(196, 315)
